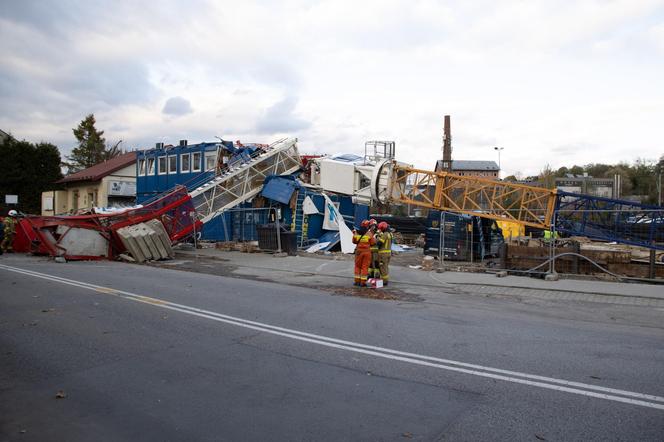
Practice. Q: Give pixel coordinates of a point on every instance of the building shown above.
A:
(3, 136)
(587, 185)
(108, 184)
(281, 198)
(163, 167)
(479, 168)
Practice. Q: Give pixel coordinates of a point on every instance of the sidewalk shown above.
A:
(338, 271)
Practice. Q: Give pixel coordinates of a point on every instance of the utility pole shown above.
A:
(498, 149)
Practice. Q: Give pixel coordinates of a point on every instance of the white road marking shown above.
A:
(612, 394)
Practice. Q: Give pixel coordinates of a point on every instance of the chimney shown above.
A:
(159, 146)
(183, 143)
(447, 144)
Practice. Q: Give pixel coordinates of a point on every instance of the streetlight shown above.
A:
(498, 149)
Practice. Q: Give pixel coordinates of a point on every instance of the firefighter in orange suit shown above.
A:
(363, 239)
(384, 241)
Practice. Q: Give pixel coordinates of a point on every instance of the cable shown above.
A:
(628, 278)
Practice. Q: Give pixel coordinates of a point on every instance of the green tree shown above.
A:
(92, 148)
(576, 170)
(547, 177)
(597, 170)
(31, 169)
(642, 175)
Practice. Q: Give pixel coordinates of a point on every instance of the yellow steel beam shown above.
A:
(499, 200)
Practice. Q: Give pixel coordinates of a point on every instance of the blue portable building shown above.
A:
(162, 168)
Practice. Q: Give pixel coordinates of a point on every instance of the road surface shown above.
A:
(110, 351)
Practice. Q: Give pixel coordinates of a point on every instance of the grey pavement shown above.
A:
(336, 269)
(139, 371)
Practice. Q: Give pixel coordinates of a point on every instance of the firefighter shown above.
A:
(363, 239)
(384, 242)
(374, 271)
(9, 230)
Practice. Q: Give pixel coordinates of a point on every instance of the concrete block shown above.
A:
(158, 227)
(501, 274)
(551, 277)
(140, 241)
(153, 239)
(78, 241)
(143, 236)
(131, 244)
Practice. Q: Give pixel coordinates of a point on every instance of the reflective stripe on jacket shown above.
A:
(364, 241)
(385, 242)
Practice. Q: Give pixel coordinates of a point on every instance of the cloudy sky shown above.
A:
(558, 82)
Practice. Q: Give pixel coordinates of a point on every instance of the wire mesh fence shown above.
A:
(458, 241)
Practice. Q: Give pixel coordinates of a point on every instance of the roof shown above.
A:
(347, 158)
(470, 165)
(101, 170)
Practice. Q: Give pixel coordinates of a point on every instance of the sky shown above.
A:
(551, 82)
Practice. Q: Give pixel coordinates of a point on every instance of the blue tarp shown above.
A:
(280, 188)
(329, 236)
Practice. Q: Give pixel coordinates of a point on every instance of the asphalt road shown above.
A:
(143, 353)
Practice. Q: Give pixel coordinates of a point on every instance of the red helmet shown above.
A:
(382, 226)
(364, 223)
(373, 222)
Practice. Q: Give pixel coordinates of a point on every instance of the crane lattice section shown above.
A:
(499, 200)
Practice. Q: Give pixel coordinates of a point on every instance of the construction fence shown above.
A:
(472, 243)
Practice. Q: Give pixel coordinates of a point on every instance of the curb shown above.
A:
(443, 283)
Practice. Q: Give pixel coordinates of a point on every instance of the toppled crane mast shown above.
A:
(104, 236)
(245, 180)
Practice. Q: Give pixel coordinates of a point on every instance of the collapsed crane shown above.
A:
(574, 214)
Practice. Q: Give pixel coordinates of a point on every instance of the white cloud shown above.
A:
(551, 81)
(177, 106)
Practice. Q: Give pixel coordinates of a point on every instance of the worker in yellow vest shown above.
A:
(9, 231)
(374, 271)
(384, 241)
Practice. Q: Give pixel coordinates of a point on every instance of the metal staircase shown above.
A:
(298, 216)
(245, 180)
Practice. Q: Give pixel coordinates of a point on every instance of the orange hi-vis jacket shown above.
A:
(362, 255)
(364, 242)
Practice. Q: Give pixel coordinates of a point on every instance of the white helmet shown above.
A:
(12, 213)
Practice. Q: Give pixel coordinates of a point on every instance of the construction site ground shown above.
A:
(613, 301)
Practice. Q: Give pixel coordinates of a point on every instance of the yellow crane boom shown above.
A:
(504, 201)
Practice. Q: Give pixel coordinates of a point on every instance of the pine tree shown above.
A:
(92, 148)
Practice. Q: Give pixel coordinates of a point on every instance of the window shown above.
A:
(141, 166)
(210, 161)
(184, 163)
(162, 165)
(150, 168)
(196, 162)
(172, 164)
